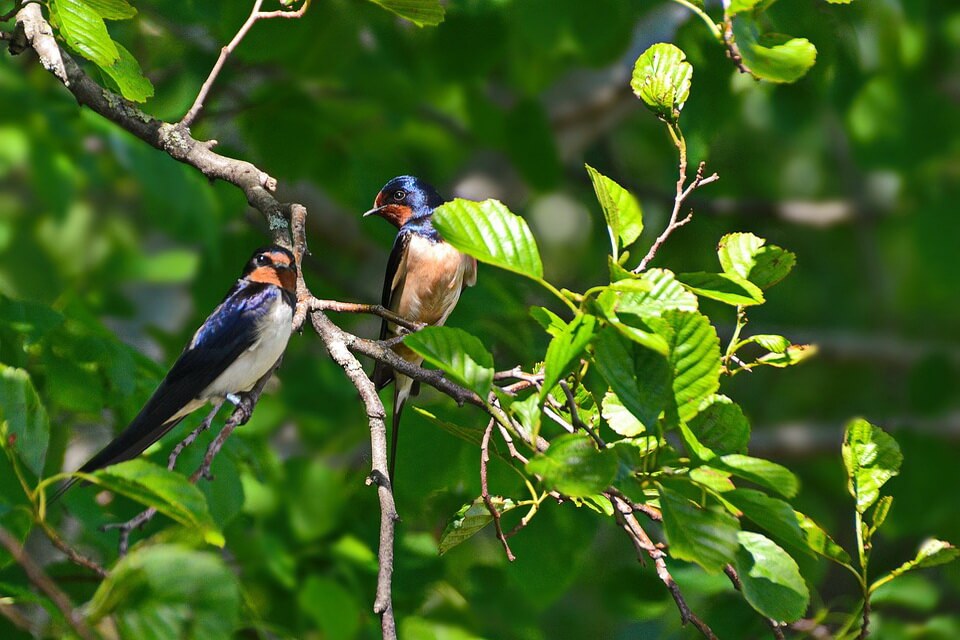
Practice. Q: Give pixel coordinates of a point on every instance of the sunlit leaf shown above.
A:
(619, 418)
(773, 56)
(489, 232)
(931, 553)
(661, 78)
(751, 258)
(24, 425)
(620, 209)
(85, 32)
(771, 579)
(769, 475)
(722, 287)
(565, 348)
(471, 518)
(694, 358)
(423, 13)
(129, 77)
(456, 353)
(794, 354)
(112, 9)
(772, 514)
(640, 377)
(871, 457)
(166, 491)
(818, 541)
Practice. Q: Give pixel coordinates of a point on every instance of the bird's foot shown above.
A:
(244, 406)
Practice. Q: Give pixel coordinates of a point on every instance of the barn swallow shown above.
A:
(236, 346)
(424, 278)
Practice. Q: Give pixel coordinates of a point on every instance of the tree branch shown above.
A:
(485, 489)
(255, 15)
(335, 341)
(43, 582)
(683, 192)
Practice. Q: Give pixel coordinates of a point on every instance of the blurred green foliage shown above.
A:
(111, 254)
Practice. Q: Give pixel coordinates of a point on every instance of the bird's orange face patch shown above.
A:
(396, 214)
(280, 273)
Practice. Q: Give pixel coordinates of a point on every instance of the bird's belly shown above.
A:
(433, 283)
(253, 363)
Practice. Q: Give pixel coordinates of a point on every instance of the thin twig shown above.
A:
(240, 415)
(43, 582)
(317, 304)
(485, 489)
(72, 554)
(623, 512)
(255, 15)
(682, 193)
(575, 415)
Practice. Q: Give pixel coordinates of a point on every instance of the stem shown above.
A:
(552, 289)
(735, 338)
(714, 29)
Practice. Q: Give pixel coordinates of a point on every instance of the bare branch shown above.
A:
(255, 15)
(623, 512)
(43, 582)
(336, 342)
(575, 416)
(682, 193)
(485, 489)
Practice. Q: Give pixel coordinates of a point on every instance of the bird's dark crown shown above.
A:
(272, 264)
(412, 192)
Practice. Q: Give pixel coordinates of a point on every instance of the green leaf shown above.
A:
(621, 210)
(129, 77)
(773, 56)
(751, 258)
(879, 513)
(773, 343)
(112, 9)
(737, 6)
(694, 358)
(661, 78)
(771, 579)
(489, 232)
(721, 425)
(772, 514)
(619, 418)
(166, 491)
(769, 475)
(871, 457)
(457, 353)
(640, 377)
(932, 552)
(529, 412)
(574, 466)
(24, 425)
(723, 287)
(168, 591)
(794, 354)
(818, 541)
(551, 322)
(85, 32)
(707, 536)
(564, 349)
(423, 13)
(665, 294)
(472, 435)
(471, 518)
(173, 266)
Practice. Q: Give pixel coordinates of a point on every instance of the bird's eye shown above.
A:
(262, 260)
(399, 195)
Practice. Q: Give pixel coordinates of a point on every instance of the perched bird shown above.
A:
(424, 278)
(236, 346)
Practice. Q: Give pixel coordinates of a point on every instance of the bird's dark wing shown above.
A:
(392, 286)
(227, 332)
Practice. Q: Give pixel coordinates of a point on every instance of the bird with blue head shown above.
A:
(424, 279)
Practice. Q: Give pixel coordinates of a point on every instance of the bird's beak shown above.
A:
(373, 212)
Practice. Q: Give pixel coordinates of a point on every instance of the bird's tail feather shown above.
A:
(401, 391)
(128, 445)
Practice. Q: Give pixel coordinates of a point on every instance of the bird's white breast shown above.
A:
(273, 334)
